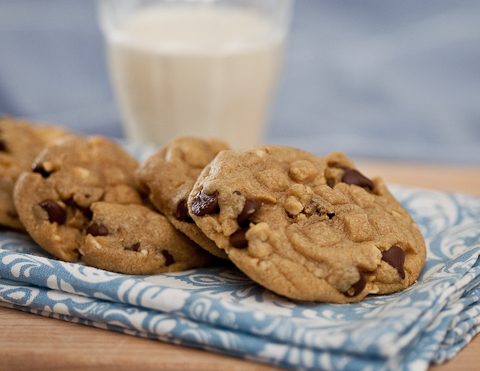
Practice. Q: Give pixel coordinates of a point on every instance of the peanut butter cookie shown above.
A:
(53, 199)
(134, 239)
(168, 177)
(307, 227)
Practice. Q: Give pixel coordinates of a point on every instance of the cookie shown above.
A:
(20, 142)
(134, 239)
(168, 177)
(53, 199)
(307, 227)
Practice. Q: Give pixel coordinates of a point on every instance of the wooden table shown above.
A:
(32, 342)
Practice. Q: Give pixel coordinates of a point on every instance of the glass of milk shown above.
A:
(205, 68)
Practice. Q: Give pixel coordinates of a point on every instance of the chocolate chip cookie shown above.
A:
(168, 177)
(20, 142)
(307, 227)
(134, 239)
(53, 199)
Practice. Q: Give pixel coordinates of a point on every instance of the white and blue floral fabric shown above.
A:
(221, 310)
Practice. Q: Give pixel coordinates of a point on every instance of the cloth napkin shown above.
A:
(221, 310)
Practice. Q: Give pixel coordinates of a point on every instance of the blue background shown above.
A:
(373, 78)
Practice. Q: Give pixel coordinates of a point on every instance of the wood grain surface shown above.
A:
(33, 342)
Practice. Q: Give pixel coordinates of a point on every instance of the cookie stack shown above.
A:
(306, 227)
(77, 197)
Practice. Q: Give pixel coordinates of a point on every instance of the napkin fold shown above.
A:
(221, 310)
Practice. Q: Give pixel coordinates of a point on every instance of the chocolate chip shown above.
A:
(181, 214)
(238, 238)
(56, 213)
(204, 204)
(97, 230)
(330, 215)
(251, 206)
(134, 247)
(12, 214)
(168, 258)
(352, 176)
(331, 183)
(357, 287)
(69, 202)
(395, 257)
(3, 146)
(38, 168)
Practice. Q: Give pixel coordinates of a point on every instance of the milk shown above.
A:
(207, 72)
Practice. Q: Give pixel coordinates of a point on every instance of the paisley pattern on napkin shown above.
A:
(220, 309)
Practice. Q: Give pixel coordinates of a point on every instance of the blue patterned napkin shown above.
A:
(220, 309)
